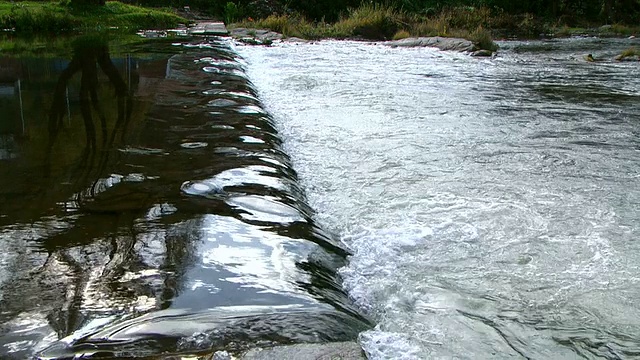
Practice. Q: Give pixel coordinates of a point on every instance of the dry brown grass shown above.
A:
(378, 22)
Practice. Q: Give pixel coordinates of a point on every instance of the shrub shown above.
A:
(283, 24)
(632, 51)
(371, 21)
(466, 17)
(401, 34)
(231, 12)
(629, 52)
(621, 29)
(483, 39)
(378, 22)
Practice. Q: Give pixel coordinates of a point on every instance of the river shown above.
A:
(147, 209)
(176, 197)
(491, 205)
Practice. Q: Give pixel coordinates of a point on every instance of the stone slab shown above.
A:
(215, 28)
(259, 34)
(329, 351)
(439, 42)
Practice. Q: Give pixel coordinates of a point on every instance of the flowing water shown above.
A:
(492, 205)
(151, 207)
(148, 210)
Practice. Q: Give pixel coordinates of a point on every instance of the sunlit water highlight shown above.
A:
(491, 204)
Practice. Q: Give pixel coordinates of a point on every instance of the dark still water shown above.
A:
(146, 208)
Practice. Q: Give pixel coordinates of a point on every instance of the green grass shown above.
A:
(482, 38)
(613, 30)
(401, 34)
(629, 52)
(292, 26)
(371, 21)
(55, 17)
(625, 30)
(632, 51)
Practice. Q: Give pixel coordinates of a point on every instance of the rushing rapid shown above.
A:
(491, 205)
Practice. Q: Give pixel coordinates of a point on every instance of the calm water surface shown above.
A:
(491, 205)
(147, 209)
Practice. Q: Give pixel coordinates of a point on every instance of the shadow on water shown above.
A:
(147, 208)
(89, 54)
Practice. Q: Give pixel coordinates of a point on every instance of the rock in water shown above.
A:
(481, 53)
(329, 351)
(221, 355)
(439, 42)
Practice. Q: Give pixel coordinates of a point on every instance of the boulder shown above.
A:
(439, 42)
(296, 40)
(263, 36)
(482, 53)
(622, 57)
(254, 41)
(330, 351)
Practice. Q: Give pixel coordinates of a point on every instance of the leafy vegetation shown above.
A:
(231, 13)
(54, 17)
(377, 22)
(401, 34)
(572, 13)
(632, 52)
(373, 19)
(476, 20)
(528, 18)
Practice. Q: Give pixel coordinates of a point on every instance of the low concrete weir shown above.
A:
(192, 237)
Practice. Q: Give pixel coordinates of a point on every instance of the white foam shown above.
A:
(388, 345)
(455, 217)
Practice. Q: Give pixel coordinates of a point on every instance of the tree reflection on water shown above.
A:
(89, 53)
(186, 203)
(78, 237)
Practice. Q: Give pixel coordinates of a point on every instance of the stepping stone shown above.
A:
(209, 28)
(329, 351)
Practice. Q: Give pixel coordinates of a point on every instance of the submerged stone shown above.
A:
(255, 36)
(330, 351)
(439, 42)
(482, 53)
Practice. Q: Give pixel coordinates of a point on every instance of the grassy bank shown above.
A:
(60, 17)
(378, 22)
(478, 24)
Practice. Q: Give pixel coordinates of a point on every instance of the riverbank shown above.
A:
(480, 25)
(337, 350)
(370, 22)
(27, 17)
(267, 37)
